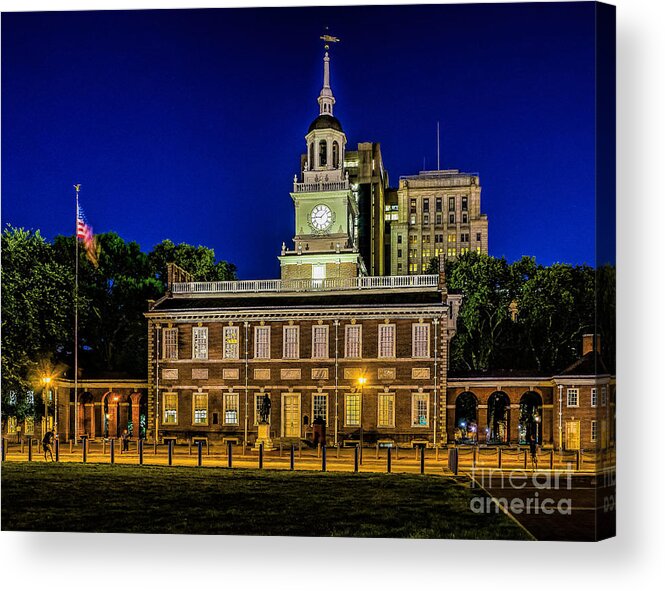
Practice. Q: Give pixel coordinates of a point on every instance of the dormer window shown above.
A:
(323, 153)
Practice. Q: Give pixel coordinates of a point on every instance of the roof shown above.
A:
(590, 364)
(365, 299)
(325, 122)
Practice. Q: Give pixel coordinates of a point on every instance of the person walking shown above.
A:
(533, 448)
(47, 443)
(125, 440)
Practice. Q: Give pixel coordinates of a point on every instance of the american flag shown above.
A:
(84, 232)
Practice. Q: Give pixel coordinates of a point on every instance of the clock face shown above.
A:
(321, 217)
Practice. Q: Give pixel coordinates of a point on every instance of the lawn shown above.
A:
(183, 500)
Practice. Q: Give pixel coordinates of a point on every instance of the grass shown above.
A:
(183, 500)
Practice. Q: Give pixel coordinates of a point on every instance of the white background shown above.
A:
(632, 560)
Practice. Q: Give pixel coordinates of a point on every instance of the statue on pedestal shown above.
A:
(264, 411)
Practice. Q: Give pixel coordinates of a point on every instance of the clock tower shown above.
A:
(326, 207)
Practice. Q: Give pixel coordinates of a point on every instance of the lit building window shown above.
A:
(452, 252)
(320, 407)
(464, 250)
(29, 425)
(170, 401)
(200, 408)
(478, 249)
(199, 342)
(353, 341)
(352, 410)
(231, 342)
(262, 342)
(413, 267)
(170, 343)
(420, 340)
(452, 238)
(420, 410)
(320, 342)
(412, 219)
(594, 431)
(426, 219)
(572, 397)
(12, 423)
(291, 348)
(231, 409)
(386, 340)
(386, 409)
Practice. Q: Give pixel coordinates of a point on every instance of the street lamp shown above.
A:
(361, 382)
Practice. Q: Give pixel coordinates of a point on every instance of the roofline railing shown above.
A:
(304, 285)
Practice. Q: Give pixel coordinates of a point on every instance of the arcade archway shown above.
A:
(498, 418)
(531, 418)
(466, 418)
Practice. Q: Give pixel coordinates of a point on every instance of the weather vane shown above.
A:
(328, 39)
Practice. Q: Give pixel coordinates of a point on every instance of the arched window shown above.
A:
(323, 153)
(310, 164)
(335, 155)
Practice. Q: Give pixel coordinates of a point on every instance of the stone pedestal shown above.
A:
(264, 437)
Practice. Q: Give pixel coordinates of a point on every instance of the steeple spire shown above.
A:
(326, 99)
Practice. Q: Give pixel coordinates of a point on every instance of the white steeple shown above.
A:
(326, 99)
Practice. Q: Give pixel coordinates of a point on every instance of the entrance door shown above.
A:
(572, 435)
(291, 415)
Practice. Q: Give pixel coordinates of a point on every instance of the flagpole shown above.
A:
(76, 324)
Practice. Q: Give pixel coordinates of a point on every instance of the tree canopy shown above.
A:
(38, 304)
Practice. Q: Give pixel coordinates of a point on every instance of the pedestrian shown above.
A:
(125, 440)
(533, 448)
(47, 443)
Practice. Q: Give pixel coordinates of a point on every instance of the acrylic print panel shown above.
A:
(378, 255)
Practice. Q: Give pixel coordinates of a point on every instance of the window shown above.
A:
(231, 342)
(320, 342)
(353, 340)
(30, 397)
(426, 219)
(452, 238)
(412, 206)
(413, 267)
(199, 342)
(413, 238)
(451, 218)
(439, 219)
(420, 410)
(426, 205)
(258, 403)
(262, 342)
(291, 349)
(200, 408)
(464, 250)
(594, 397)
(170, 400)
(386, 340)
(399, 268)
(438, 203)
(478, 236)
(603, 396)
(30, 425)
(573, 397)
(452, 252)
(464, 237)
(323, 153)
(11, 425)
(451, 204)
(399, 253)
(465, 218)
(478, 249)
(420, 340)
(170, 343)
(427, 253)
(465, 203)
(426, 239)
(320, 407)
(412, 219)
(386, 416)
(399, 239)
(231, 409)
(335, 155)
(352, 410)
(594, 431)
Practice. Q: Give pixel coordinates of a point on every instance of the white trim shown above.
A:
(325, 395)
(207, 414)
(570, 391)
(360, 409)
(256, 342)
(414, 328)
(231, 329)
(379, 424)
(422, 396)
(346, 341)
(326, 354)
(225, 407)
(296, 328)
(164, 408)
(202, 339)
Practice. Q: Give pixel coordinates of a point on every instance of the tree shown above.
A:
(197, 260)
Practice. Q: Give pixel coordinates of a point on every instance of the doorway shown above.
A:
(291, 415)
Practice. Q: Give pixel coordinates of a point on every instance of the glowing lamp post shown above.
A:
(46, 381)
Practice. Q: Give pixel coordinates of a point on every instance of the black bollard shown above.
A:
(200, 458)
(85, 449)
(140, 452)
(4, 449)
(260, 456)
(355, 458)
(170, 452)
(30, 449)
(57, 450)
(388, 462)
(112, 448)
(230, 454)
(323, 458)
(293, 457)
(422, 459)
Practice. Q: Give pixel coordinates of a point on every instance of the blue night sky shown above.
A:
(188, 124)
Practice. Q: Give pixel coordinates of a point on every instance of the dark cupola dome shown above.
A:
(325, 122)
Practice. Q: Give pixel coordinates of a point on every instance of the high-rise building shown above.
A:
(438, 214)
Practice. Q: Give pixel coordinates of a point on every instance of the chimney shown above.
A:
(443, 287)
(588, 343)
